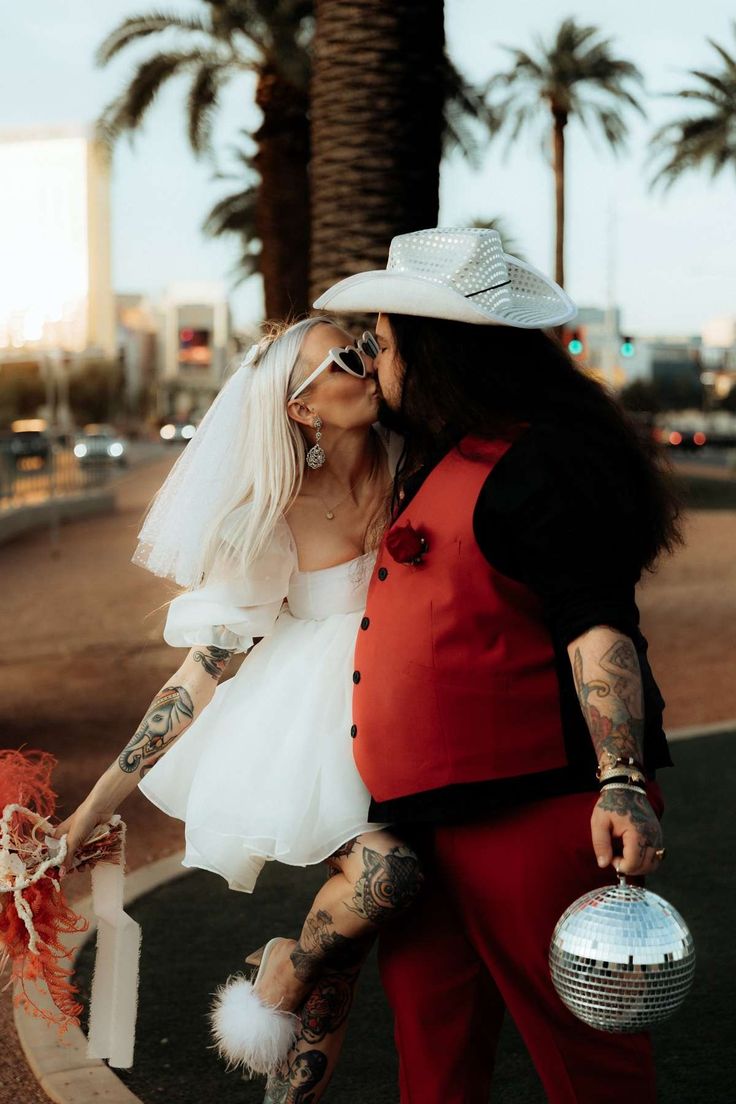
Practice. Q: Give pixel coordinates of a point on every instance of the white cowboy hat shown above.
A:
(455, 273)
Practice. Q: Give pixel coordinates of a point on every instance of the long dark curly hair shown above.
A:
(471, 379)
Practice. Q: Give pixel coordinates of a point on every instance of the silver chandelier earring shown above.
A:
(316, 455)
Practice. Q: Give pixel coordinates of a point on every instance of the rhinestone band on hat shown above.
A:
(471, 261)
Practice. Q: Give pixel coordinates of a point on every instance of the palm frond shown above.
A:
(136, 27)
(501, 226)
(613, 127)
(233, 214)
(724, 55)
(127, 110)
(465, 110)
(202, 104)
(705, 141)
(247, 265)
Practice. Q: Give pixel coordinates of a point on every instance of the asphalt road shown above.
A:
(81, 656)
(196, 932)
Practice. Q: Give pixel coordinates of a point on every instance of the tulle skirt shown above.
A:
(266, 770)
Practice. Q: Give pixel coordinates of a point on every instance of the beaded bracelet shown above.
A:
(616, 761)
(623, 786)
(623, 776)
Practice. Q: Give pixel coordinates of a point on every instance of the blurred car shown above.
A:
(29, 444)
(98, 443)
(687, 440)
(176, 432)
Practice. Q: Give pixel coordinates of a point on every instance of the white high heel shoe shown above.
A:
(247, 1031)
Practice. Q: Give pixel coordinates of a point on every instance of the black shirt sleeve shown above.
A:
(542, 520)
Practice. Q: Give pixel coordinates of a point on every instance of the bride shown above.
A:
(271, 519)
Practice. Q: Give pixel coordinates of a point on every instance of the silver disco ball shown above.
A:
(622, 958)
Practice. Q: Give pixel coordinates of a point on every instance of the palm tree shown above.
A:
(378, 90)
(266, 37)
(575, 76)
(708, 138)
(464, 125)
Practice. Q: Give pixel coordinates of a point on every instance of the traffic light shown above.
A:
(574, 343)
(627, 347)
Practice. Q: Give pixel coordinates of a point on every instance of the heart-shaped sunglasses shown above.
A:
(348, 358)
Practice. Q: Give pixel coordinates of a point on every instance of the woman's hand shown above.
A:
(79, 827)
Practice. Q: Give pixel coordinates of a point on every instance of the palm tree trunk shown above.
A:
(558, 164)
(376, 106)
(282, 214)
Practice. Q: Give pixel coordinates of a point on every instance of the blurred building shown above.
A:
(719, 357)
(56, 302)
(668, 358)
(55, 281)
(196, 347)
(138, 328)
(599, 333)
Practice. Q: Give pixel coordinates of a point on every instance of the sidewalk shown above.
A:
(82, 656)
(196, 932)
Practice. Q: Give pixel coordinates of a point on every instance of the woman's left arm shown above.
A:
(608, 683)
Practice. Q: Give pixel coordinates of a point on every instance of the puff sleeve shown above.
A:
(233, 607)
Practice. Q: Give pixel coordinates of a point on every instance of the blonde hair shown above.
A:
(271, 446)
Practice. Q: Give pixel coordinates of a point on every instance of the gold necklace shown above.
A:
(330, 510)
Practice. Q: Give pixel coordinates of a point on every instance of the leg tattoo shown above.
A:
(388, 885)
(322, 1016)
(320, 947)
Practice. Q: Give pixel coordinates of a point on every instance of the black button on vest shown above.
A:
(356, 677)
(353, 731)
(365, 622)
(382, 573)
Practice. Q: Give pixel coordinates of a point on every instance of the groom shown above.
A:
(500, 675)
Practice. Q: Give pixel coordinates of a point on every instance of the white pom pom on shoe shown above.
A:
(248, 1032)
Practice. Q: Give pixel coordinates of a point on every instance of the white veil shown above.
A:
(172, 538)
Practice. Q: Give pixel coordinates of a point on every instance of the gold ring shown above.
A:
(660, 853)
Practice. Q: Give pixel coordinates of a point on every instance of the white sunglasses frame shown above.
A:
(365, 343)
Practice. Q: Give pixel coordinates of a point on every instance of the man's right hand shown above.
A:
(79, 827)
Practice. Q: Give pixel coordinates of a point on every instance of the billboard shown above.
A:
(195, 347)
(55, 284)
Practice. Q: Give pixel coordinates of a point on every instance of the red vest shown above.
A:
(455, 676)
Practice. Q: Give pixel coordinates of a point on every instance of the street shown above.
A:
(81, 656)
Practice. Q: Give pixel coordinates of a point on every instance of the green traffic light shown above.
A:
(627, 349)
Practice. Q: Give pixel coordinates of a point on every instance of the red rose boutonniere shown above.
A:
(406, 545)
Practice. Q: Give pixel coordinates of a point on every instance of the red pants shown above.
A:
(476, 943)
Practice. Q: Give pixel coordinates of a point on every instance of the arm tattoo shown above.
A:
(214, 660)
(170, 712)
(620, 729)
(622, 663)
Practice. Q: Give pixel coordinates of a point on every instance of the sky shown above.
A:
(669, 260)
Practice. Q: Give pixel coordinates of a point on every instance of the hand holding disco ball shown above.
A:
(622, 958)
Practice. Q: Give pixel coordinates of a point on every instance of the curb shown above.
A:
(693, 731)
(18, 520)
(63, 1070)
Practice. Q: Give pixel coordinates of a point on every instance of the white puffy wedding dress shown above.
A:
(265, 770)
